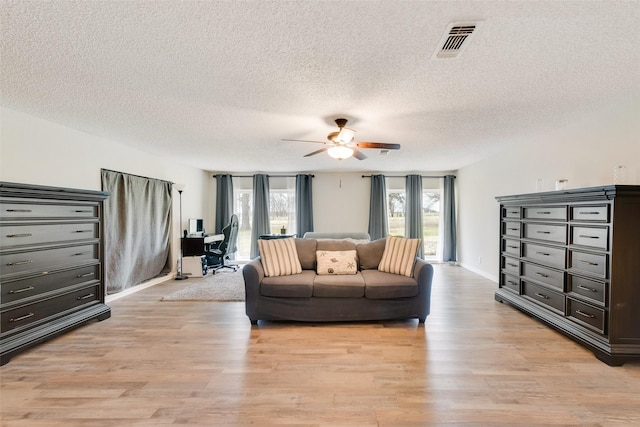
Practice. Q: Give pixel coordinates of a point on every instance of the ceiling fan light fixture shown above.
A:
(340, 152)
(345, 135)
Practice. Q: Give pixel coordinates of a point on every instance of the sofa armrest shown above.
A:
(253, 273)
(423, 272)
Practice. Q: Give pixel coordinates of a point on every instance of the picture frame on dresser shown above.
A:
(52, 263)
(569, 258)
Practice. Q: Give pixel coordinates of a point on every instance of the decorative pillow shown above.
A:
(306, 253)
(279, 257)
(399, 255)
(336, 262)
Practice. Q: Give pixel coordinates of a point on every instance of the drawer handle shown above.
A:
(26, 261)
(17, 291)
(586, 288)
(586, 236)
(20, 235)
(514, 212)
(26, 316)
(543, 232)
(84, 231)
(513, 247)
(588, 262)
(539, 295)
(582, 313)
(512, 265)
(81, 211)
(511, 282)
(84, 275)
(81, 253)
(588, 213)
(85, 297)
(18, 210)
(542, 274)
(543, 253)
(513, 229)
(544, 212)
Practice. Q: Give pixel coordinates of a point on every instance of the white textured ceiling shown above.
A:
(218, 84)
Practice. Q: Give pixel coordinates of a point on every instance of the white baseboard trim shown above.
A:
(479, 272)
(138, 288)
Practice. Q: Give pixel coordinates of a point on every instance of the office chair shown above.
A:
(219, 256)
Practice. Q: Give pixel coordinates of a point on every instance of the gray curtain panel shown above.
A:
(449, 220)
(304, 204)
(378, 221)
(224, 201)
(137, 229)
(413, 214)
(261, 223)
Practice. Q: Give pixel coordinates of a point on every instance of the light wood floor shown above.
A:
(475, 362)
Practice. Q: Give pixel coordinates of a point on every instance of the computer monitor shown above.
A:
(196, 227)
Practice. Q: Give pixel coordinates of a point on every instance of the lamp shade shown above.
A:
(340, 152)
(180, 187)
(345, 135)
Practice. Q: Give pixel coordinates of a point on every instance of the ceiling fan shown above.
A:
(341, 145)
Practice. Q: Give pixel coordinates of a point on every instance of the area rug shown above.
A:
(222, 286)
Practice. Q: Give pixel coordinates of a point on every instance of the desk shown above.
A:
(195, 246)
(275, 236)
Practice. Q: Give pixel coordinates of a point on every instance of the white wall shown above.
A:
(37, 151)
(585, 153)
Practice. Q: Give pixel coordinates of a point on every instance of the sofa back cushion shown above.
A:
(279, 257)
(399, 255)
(306, 253)
(370, 254)
(335, 245)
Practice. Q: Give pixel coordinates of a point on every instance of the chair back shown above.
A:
(230, 242)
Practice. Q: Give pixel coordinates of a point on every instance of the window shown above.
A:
(396, 202)
(282, 206)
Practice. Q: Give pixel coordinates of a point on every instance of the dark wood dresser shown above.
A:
(51, 263)
(571, 259)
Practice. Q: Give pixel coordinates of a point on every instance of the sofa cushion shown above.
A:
(279, 257)
(381, 285)
(345, 286)
(306, 253)
(399, 255)
(335, 245)
(292, 286)
(336, 262)
(370, 254)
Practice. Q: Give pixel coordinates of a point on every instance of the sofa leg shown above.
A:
(253, 322)
(422, 320)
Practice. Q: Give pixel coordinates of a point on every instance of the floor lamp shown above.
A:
(180, 276)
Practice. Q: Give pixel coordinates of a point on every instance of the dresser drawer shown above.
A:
(546, 232)
(545, 275)
(10, 208)
(545, 212)
(544, 296)
(590, 213)
(511, 228)
(46, 282)
(595, 237)
(511, 265)
(584, 314)
(511, 213)
(546, 255)
(592, 290)
(511, 247)
(510, 282)
(47, 259)
(30, 313)
(592, 264)
(30, 234)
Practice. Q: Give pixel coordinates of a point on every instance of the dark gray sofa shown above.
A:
(368, 295)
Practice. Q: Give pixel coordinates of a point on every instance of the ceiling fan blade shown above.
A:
(380, 145)
(322, 150)
(303, 140)
(359, 154)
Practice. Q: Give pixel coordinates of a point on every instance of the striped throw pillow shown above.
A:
(279, 257)
(399, 255)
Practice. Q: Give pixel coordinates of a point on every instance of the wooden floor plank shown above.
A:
(474, 362)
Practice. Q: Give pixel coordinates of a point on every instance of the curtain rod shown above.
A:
(137, 176)
(275, 176)
(404, 176)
